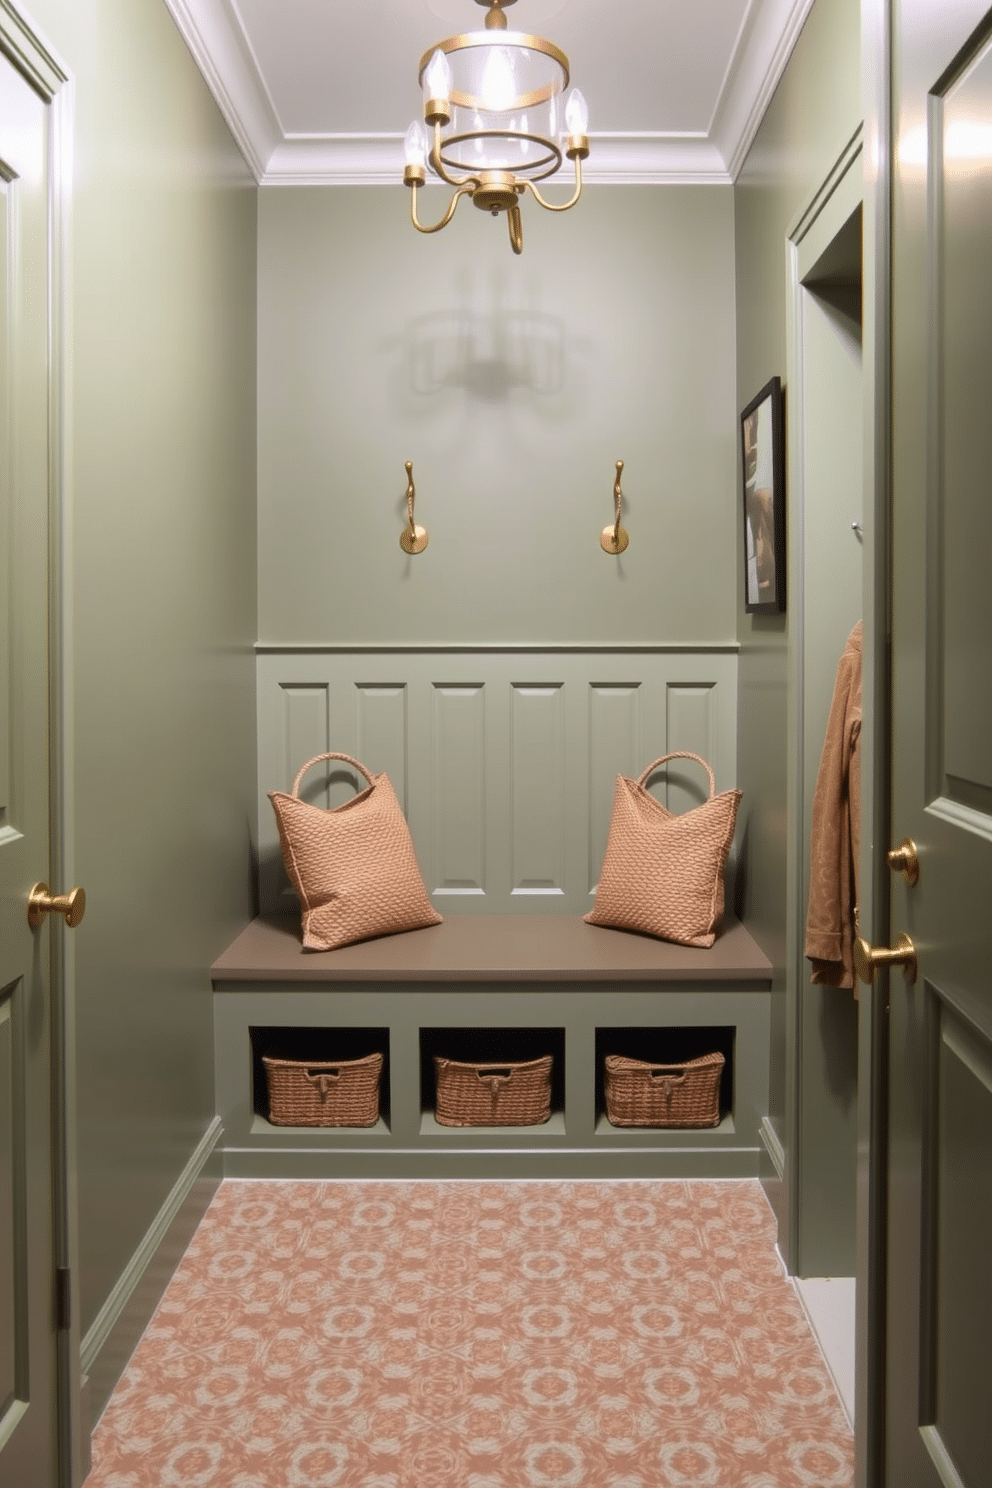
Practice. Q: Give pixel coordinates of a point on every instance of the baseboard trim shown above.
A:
(109, 1341)
(772, 1145)
(492, 1163)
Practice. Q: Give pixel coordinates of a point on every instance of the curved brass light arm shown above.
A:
(448, 214)
(559, 206)
(439, 167)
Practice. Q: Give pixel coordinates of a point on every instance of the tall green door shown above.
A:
(28, 1317)
(939, 1291)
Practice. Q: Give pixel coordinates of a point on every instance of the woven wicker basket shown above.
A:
(320, 1093)
(642, 1094)
(505, 1094)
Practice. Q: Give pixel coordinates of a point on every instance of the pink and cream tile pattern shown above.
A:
(478, 1335)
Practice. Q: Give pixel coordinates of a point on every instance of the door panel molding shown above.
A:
(971, 1052)
(31, 56)
(13, 1214)
(959, 815)
(956, 1231)
(946, 1470)
(958, 711)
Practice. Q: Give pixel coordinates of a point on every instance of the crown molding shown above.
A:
(29, 53)
(377, 160)
(214, 36)
(768, 35)
(220, 51)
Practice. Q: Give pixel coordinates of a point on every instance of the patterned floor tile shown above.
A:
(478, 1335)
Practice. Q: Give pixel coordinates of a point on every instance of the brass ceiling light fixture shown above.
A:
(501, 93)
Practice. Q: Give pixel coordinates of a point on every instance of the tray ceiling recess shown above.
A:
(320, 92)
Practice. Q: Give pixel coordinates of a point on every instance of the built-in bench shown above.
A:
(501, 987)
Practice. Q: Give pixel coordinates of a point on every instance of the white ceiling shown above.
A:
(321, 91)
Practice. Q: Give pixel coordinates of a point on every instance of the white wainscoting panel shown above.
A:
(505, 761)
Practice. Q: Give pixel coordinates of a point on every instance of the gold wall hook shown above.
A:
(614, 539)
(413, 539)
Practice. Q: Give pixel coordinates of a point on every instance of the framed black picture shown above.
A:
(763, 452)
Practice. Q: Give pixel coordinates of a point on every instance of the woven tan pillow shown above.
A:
(353, 868)
(663, 874)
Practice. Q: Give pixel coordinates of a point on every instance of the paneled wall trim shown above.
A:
(504, 761)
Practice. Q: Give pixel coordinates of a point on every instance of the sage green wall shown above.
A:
(162, 480)
(814, 112)
(514, 385)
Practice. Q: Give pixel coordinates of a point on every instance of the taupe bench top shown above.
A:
(492, 948)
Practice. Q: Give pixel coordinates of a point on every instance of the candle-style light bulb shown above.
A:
(576, 114)
(437, 78)
(415, 144)
(498, 89)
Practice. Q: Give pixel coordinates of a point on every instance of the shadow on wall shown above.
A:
(488, 356)
(493, 344)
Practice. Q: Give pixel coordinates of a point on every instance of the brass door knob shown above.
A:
(42, 902)
(867, 959)
(905, 859)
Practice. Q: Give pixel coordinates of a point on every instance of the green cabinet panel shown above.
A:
(491, 988)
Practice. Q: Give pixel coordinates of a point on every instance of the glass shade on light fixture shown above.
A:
(505, 94)
(496, 122)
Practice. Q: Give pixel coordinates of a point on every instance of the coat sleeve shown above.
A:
(829, 915)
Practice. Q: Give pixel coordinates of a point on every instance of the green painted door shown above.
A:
(27, 1277)
(939, 1291)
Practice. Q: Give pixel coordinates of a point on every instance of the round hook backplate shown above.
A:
(612, 541)
(415, 541)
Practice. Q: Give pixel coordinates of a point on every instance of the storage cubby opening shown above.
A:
(321, 1046)
(492, 1046)
(666, 1046)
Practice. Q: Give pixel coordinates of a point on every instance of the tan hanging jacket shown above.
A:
(836, 829)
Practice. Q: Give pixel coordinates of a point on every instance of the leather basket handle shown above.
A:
(680, 754)
(496, 1079)
(323, 1078)
(318, 758)
(669, 1079)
